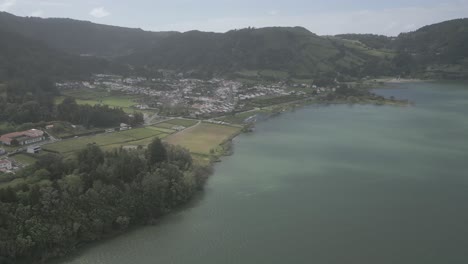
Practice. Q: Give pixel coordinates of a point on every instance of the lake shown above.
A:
(328, 185)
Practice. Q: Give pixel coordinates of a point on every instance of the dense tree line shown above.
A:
(95, 194)
(32, 101)
(95, 116)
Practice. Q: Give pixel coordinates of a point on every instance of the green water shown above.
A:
(327, 184)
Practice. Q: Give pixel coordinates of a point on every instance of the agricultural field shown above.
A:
(164, 125)
(95, 97)
(67, 130)
(169, 124)
(204, 138)
(381, 53)
(24, 159)
(161, 129)
(136, 137)
(183, 122)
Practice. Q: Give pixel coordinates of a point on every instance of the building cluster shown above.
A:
(23, 138)
(199, 97)
(26, 141)
(5, 165)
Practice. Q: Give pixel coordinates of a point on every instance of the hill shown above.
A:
(81, 37)
(24, 58)
(433, 51)
(370, 40)
(292, 51)
(438, 50)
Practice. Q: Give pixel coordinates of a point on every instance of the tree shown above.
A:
(90, 158)
(156, 153)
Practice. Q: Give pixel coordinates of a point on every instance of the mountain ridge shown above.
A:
(432, 51)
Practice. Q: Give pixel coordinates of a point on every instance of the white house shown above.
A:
(34, 149)
(5, 165)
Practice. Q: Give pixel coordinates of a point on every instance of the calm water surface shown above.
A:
(327, 185)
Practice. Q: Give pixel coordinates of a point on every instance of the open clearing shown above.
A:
(182, 122)
(203, 138)
(24, 159)
(100, 97)
(169, 124)
(138, 136)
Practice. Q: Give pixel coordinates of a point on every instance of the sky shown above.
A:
(323, 17)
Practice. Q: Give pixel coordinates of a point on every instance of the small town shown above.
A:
(198, 98)
(159, 99)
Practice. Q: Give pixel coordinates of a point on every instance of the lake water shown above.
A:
(327, 185)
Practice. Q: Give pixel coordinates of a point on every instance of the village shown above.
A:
(198, 98)
(207, 100)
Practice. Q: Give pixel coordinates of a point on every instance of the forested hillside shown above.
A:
(434, 51)
(81, 37)
(295, 51)
(437, 51)
(25, 58)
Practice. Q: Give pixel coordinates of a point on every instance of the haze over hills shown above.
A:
(435, 51)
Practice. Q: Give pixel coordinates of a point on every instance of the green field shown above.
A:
(95, 97)
(165, 125)
(25, 159)
(203, 138)
(182, 122)
(163, 130)
(139, 136)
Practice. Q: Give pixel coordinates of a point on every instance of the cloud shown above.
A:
(7, 4)
(99, 12)
(51, 3)
(37, 13)
(273, 12)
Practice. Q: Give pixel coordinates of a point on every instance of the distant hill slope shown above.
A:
(370, 40)
(434, 51)
(81, 37)
(24, 58)
(295, 51)
(446, 42)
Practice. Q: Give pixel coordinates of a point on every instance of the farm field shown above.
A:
(161, 129)
(203, 138)
(138, 136)
(182, 122)
(24, 159)
(169, 124)
(164, 125)
(95, 97)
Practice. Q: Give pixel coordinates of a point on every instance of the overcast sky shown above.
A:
(324, 17)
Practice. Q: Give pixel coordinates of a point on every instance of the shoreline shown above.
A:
(400, 80)
(228, 150)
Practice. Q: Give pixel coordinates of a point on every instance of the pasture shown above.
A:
(138, 136)
(182, 122)
(204, 138)
(101, 97)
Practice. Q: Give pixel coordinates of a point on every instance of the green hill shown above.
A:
(438, 50)
(294, 51)
(434, 51)
(81, 37)
(24, 58)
